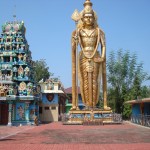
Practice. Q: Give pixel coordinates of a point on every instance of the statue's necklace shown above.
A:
(89, 57)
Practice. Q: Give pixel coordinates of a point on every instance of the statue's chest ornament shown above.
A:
(89, 34)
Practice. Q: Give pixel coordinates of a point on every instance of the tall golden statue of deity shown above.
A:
(90, 64)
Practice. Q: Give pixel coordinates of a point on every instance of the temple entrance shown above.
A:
(61, 106)
(3, 114)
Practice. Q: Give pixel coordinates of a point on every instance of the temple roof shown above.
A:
(69, 90)
(13, 26)
(145, 100)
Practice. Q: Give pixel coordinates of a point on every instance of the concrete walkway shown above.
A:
(55, 136)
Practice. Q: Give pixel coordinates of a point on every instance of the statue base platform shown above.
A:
(92, 117)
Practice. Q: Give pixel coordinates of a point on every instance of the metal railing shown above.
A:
(116, 118)
(141, 120)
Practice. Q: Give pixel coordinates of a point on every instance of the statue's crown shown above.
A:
(87, 2)
(88, 7)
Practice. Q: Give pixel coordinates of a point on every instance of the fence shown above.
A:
(113, 117)
(141, 119)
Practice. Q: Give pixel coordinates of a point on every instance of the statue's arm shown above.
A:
(103, 47)
(73, 46)
(103, 44)
(73, 40)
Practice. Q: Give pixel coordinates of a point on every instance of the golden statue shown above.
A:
(90, 63)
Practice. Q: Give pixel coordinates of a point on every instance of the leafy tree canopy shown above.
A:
(125, 78)
(41, 70)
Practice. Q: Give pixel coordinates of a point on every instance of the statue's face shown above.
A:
(88, 19)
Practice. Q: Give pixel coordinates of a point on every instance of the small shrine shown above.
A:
(52, 106)
(140, 111)
(19, 97)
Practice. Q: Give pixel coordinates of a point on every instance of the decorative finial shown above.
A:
(88, 2)
(14, 13)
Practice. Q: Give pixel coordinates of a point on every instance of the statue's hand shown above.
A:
(98, 59)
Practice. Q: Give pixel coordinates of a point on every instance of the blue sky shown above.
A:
(126, 24)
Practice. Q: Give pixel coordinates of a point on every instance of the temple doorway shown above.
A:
(61, 106)
(3, 114)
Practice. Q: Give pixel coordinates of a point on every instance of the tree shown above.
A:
(125, 78)
(41, 71)
(145, 91)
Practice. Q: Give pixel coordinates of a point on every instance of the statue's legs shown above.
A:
(90, 88)
(96, 81)
(89, 81)
(83, 77)
(104, 81)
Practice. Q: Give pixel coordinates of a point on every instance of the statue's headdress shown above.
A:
(77, 17)
(87, 11)
(88, 8)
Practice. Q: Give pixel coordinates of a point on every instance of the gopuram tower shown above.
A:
(18, 95)
(89, 64)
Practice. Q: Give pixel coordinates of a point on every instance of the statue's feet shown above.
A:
(107, 108)
(77, 108)
(87, 108)
(73, 108)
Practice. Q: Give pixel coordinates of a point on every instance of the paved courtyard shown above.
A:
(55, 136)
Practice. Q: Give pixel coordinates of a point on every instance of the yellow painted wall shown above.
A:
(49, 115)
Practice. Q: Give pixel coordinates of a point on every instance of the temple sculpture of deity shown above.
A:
(90, 64)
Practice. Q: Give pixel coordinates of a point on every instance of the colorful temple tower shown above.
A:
(19, 96)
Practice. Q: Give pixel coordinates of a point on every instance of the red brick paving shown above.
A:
(11, 130)
(76, 137)
(75, 147)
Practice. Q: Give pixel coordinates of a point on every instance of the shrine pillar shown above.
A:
(9, 114)
(27, 112)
